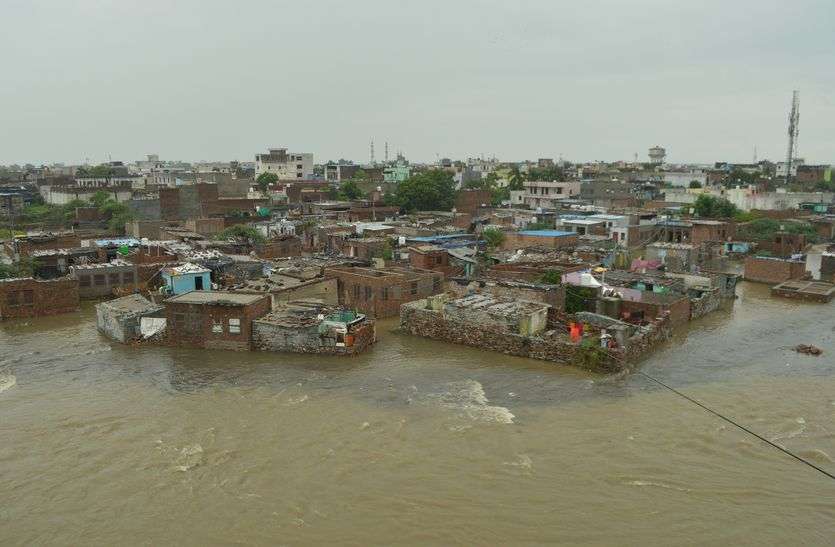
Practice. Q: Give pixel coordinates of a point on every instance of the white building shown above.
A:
(287, 165)
(546, 195)
(684, 178)
(780, 168)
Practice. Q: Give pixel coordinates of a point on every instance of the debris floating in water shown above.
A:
(807, 349)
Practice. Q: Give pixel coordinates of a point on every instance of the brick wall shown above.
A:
(325, 290)
(711, 232)
(678, 310)
(25, 246)
(194, 325)
(151, 255)
(437, 261)
(34, 297)
(269, 336)
(95, 282)
(515, 240)
(379, 293)
(206, 226)
(279, 248)
(773, 270)
(468, 201)
(419, 321)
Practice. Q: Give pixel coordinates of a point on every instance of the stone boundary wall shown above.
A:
(708, 302)
(267, 336)
(417, 320)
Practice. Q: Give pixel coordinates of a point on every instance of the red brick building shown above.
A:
(307, 191)
(379, 293)
(539, 238)
(29, 297)
(432, 257)
(469, 201)
(213, 319)
(773, 270)
(42, 242)
(783, 244)
(711, 230)
(279, 247)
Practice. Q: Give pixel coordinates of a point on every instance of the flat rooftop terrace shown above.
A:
(818, 291)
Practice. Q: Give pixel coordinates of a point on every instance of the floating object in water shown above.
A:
(807, 349)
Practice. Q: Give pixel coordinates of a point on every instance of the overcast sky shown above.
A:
(588, 80)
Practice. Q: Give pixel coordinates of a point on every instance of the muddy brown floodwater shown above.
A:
(418, 442)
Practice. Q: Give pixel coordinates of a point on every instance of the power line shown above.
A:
(740, 426)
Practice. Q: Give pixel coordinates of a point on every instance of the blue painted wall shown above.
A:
(183, 283)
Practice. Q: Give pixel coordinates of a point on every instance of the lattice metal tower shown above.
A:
(794, 122)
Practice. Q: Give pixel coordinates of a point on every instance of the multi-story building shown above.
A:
(287, 165)
(546, 194)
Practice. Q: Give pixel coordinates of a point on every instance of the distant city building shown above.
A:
(546, 194)
(780, 168)
(398, 172)
(657, 154)
(287, 165)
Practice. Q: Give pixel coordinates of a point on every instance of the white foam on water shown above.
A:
(657, 485)
(7, 381)
(792, 433)
(190, 457)
(468, 397)
(297, 400)
(523, 461)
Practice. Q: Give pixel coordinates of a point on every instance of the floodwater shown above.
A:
(419, 442)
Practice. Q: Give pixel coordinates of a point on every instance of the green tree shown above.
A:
(265, 180)
(432, 190)
(100, 198)
(494, 238)
(517, 179)
(695, 184)
(547, 174)
(241, 232)
(708, 206)
(350, 190)
(551, 277)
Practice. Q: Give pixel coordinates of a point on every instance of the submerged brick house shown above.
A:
(311, 327)
(28, 297)
(766, 269)
(98, 280)
(379, 293)
(213, 319)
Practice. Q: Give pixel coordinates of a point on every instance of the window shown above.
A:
(28, 297)
(298, 175)
(98, 280)
(385, 293)
(436, 284)
(127, 278)
(413, 288)
(368, 293)
(234, 326)
(439, 259)
(217, 326)
(84, 281)
(299, 166)
(114, 278)
(356, 291)
(12, 299)
(559, 189)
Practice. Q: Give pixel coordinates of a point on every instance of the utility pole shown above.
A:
(794, 122)
(372, 151)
